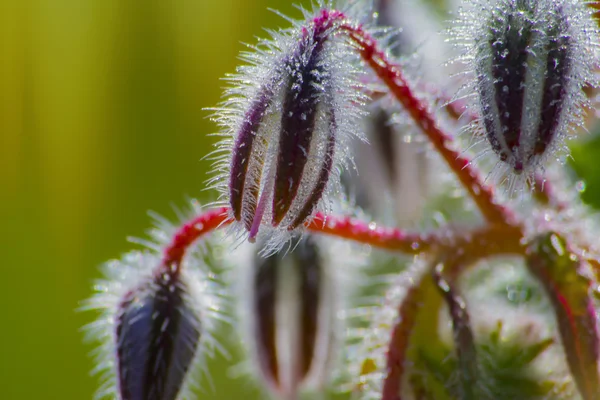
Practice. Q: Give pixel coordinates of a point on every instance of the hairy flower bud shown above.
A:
(290, 115)
(154, 327)
(531, 59)
(292, 310)
(157, 335)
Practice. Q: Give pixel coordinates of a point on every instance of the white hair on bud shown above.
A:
(479, 32)
(136, 270)
(342, 264)
(266, 72)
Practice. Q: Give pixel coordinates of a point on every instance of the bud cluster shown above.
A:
(291, 308)
(288, 120)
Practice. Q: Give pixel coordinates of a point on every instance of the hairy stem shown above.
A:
(559, 271)
(463, 335)
(192, 230)
(391, 74)
(401, 334)
(370, 233)
(474, 245)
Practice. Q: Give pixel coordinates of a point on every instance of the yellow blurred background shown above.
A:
(100, 120)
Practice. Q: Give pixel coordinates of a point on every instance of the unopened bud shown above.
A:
(290, 120)
(155, 326)
(293, 319)
(157, 336)
(531, 58)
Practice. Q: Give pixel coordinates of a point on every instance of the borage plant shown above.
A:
(491, 261)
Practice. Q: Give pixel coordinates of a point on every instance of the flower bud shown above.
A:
(531, 59)
(293, 313)
(154, 328)
(290, 116)
(157, 335)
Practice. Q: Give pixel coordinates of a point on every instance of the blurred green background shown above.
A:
(100, 120)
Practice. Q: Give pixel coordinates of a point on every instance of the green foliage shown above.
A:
(100, 120)
(506, 370)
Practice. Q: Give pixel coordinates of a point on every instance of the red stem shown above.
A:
(190, 231)
(488, 241)
(369, 233)
(457, 257)
(391, 74)
(498, 239)
(400, 338)
(344, 228)
(561, 274)
(464, 341)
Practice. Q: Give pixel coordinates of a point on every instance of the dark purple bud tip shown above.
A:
(302, 96)
(157, 337)
(292, 318)
(524, 67)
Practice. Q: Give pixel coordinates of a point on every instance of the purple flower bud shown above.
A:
(304, 95)
(290, 116)
(305, 90)
(532, 59)
(155, 326)
(157, 336)
(293, 319)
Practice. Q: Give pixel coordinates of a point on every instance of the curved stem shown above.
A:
(401, 334)
(483, 242)
(391, 74)
(455, 258)
(369, 233)
(341, 227)
(190, 231)
(562, 276)
(464, 341)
